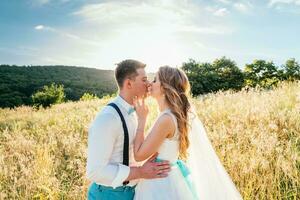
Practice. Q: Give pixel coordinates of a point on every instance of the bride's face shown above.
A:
(155, 88)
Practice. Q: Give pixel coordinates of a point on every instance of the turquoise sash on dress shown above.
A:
(185, 173)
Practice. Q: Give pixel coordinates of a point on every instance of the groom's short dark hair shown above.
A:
(127, 69)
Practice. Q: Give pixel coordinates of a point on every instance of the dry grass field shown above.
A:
(255, 133)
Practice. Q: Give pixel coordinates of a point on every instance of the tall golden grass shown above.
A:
(255, 133)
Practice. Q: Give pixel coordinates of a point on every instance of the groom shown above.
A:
(110, 162)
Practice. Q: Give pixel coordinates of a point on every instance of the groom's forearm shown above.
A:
(135, 173)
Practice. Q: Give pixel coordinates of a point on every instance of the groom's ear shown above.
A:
(127, 83)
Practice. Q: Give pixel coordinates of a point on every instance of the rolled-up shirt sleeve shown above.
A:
(101, 139)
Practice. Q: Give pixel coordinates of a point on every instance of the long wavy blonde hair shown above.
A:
(176, 88)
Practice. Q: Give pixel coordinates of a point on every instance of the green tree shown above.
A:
(49, 95)
(201, 77)
(222, 74)
(87, 97)
(229, 75)
(291, 70)
(262, 73)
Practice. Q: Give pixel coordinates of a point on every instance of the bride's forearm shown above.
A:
(139, 138)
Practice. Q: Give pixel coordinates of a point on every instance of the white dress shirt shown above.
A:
(105, 145)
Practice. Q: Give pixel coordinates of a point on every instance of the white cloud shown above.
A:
(276, 2)
(39, 27)
(68, 35)
(285, 6)
(128, 13)
(171, 15)
(217, 30)
(62, 33)
(156, 32)
(224, 1)
(221, 12)
(149, 23)
(44, 28)
(243, 7)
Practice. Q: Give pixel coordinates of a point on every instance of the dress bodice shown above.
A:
(169, 150)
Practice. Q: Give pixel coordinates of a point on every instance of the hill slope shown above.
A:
(18, 83)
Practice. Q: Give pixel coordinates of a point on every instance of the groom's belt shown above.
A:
(117, 189)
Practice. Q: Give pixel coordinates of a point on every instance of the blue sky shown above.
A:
(158, 32)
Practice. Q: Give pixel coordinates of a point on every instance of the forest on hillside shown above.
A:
(18, 83)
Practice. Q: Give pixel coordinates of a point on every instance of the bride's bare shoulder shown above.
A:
(166, 124)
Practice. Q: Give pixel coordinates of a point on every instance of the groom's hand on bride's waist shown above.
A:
(152, 169)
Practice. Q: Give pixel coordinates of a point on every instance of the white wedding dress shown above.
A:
(206, 180)
(174, 185)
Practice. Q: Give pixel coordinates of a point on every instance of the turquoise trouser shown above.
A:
(99, 192)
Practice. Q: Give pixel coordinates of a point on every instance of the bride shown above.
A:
(179, 137)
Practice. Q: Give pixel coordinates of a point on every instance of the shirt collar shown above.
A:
(129, 108)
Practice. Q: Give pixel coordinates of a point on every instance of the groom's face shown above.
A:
(140, 83)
